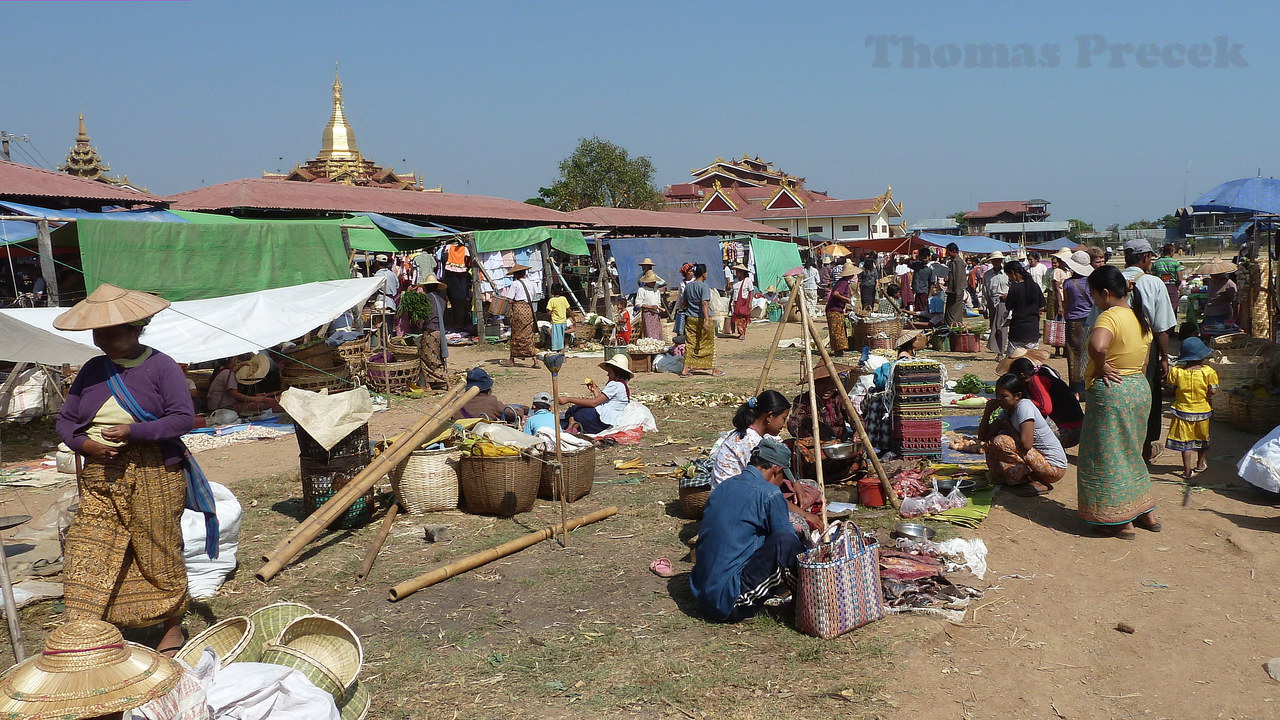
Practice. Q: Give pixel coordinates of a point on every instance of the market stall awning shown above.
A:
(190, 261)
(773, 258)
(907, 244)
(565, 240)
(668, 254)
(973, 244)
(1055, 245)
(1255, 194)
(195, 330)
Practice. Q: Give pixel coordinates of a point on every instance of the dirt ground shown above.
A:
(586, 630)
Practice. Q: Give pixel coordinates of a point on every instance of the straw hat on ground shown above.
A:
(108, 306)
(432, 283)
(254, 370)
(650, 276)
(850, 270)
(1213, 267)
(1035, 355)
(85, 670)
(620, 363)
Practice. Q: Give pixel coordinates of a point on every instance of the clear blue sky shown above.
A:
(487, 97)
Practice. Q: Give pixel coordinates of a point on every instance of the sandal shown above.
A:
(1115, 531)
(662, 568)
(1152, 527)
(716, 373)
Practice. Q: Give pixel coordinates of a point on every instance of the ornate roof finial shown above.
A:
(82, 135)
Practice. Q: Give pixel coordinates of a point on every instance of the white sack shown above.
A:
(205, 575)
(1261, 465)
(262, 691)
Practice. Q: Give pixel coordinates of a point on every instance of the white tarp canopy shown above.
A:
(193, 331)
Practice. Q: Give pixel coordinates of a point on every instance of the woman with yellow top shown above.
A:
(1115, 489)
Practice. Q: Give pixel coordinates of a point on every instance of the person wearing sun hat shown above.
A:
(647, 265)
(485, 404)
(594, 415)
(1222, 294)
(1075, 306)
(523, 329)
(649, 303)
(126, 412)
(837, 306)
(740, 300)
(235, 376)
(995, 290)
(87, 670)
(1194, 383)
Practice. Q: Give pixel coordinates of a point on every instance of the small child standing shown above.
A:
(558, 307)
(1194, 382)
(624, 320)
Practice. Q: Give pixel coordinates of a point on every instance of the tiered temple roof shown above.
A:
(340, 160)
(83, 161)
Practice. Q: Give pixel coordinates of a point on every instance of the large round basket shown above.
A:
(866, 328)
(267, 623)
(356, 706)
(391, 376)
(427, 481)
(324, 649)
(502, 486)
(1235, 341)
(579, 475)
(1235, 370)
(402, 349)
(334, 379)
(229, 638)
(964, 342)
(353, 354)
(693, 500)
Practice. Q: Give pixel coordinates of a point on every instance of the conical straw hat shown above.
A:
(1215, 267)
(85, 670)
(109, 306)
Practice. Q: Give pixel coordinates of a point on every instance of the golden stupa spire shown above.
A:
(339, 139)
(82, 136)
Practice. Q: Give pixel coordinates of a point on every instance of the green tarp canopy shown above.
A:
(566, 241)
(773, 258)
(368, 237)
(192, 261)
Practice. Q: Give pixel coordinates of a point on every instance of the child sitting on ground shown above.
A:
(540, 416)
(1194, 382)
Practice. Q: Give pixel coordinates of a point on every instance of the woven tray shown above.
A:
(322, 641)
(267, 624)
(579, 476)
(427, 481)
(230, 639)
(502, 486)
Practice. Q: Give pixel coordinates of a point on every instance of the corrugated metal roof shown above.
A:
(1017, 227)
(660, 220)
(266, 194)
(17, 180)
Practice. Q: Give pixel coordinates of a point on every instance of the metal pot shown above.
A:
(838, 451)
(915, 531)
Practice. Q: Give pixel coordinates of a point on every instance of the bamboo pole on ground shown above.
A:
(409, 587)
(777, 333)
(852, 412)
(437, 417)
(813, 415)
(376, 546)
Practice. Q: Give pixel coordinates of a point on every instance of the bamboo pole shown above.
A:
(560, 479)
(777, 334)
(471, 562)
(376, 546)
(813, 415)
(861, 429)
(437, 417)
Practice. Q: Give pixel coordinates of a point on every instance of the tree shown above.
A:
(1077, 227)
(601, 174)
(1140, 225)
(963, 224)
(1170, 222)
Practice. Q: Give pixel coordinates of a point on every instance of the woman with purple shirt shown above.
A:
(1076, 306)
(123, 553)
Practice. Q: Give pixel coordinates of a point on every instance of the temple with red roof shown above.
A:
(752, 189)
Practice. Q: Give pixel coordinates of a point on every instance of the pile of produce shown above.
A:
(971, 384)
(702, 399)
(652, 346)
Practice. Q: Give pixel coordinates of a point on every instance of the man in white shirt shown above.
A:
(995, 288)
(810, 286)
(1138, 259)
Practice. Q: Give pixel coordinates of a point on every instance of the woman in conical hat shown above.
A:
(125, 413)
(593, 415)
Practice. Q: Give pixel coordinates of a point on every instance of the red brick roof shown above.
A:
(264, 194)
(661, 220)
(993, 209)
(18, 180)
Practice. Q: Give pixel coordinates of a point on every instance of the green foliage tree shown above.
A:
(1077, 227)
(958, 216)
(1170, 222)
(601, 174)
(1141, 225)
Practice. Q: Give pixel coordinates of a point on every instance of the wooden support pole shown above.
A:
(777, 333)
(471, 562)
(813, 416)
(376, 546)
(47, 269)
(440, 415)
(852, 412)
(561, 483)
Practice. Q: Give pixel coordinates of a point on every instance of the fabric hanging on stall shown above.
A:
(566, 241)
(668, 255)
(772, 260)
(498, 265)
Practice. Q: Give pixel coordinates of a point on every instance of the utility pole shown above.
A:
(5, 137)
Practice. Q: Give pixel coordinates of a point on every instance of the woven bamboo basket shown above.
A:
(427, 481)
(267, 623)
(579, 476)
(324, 649)
(402, 349)
(1235, 370)
(864, 329)
(1238, 411)
(391, 376)
(334, 380)
(353, 354)
(964, 342)
(693, 500)
(229, 638)
(502, 486)
(1235, 341)
(202, 379)
(356, 706)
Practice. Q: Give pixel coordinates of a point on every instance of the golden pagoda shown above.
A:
(83, 162)
(340, 161)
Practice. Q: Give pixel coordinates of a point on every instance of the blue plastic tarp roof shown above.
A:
(1256, 194)
(977, 244)
(17, 231)
(668, 254)
(1054, 245)
(408, 229)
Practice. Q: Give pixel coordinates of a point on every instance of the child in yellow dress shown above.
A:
(1194, 383)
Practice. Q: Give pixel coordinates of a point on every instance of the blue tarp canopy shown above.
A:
(1256, 194)
(18, 231)
(1055, 245)
(407, 229)
(975, 244)
(1242, 233)
(668, 254)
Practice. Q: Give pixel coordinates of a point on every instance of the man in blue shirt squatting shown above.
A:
(746, 544)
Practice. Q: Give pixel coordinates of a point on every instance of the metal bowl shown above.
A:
(946, 484)
(838, 451)
(915, 531)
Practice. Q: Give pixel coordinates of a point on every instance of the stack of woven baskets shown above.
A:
(1245, 397)
(315, 367)
(387, 372)
(322, 648)
(876, 332)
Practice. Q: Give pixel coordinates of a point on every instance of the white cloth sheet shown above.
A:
(198, 330)
(1261, 465)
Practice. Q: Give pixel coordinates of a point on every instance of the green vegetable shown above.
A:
(970, 384)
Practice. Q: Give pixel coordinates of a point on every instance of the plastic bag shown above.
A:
(205, 575)
(934, 502)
